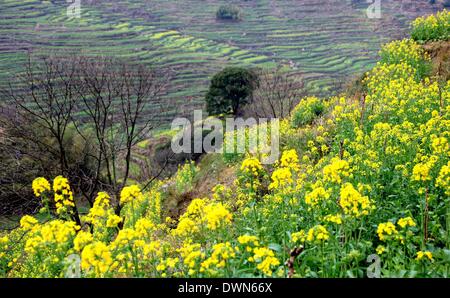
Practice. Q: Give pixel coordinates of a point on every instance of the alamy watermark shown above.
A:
(374, 269)
(74, 9)
(74, 266)
(210, 136)
(374, 9)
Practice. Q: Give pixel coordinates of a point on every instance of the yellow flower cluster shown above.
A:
(40, 185)
(96, 256)
(424, 254)
(421, 172)
(402, 51)
(333, 218)
(317, 195)
(266, 260)
(101, 214)
(443, 180)
(217, 215)
(433, 27)
(191, 254)
(248, 240)
(3, 242)
(125, 239)
(82, 239)
(51, 234)
(130, 193)
(184, 176)
(221, 252)
(27, 222)
(202, 214)
(221, 193)
(317, 234)
(353, 203)
(113, 221)
(336, 170)
(385, 230)
(63, 195)
(299, 237)
(289, 159)
(153, 249)
(281, 178)
(252, 166)
(439, 144)
(144, 227)
(249, 177)
(406, 222)
(306, 111)
(380, 249)
(166, 265)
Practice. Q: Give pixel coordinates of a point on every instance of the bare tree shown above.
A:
(16, 165)
(109, 104)
(122, 103)
(44, 95)
(44, 100)
(275, 95)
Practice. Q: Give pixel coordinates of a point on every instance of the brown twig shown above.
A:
(291, 261)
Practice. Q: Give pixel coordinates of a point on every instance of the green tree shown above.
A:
(229, 12)
(230, 89)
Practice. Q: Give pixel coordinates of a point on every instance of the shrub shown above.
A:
(306, 111)
(409, 52)
(433, 27)
(229, 12)
(185, 176)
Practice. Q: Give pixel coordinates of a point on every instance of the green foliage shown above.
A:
(409, 52)
(433, 27)
(230, 90)
(306, 111)
(185, 176)
(229, 12)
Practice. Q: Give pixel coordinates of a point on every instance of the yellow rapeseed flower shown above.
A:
(336, 170)
(406, 222)
(81, 240)
(96, 256)
(281, 177)
(252, 166)
(63, 195)
(424, 254)
(385, 230)
(266, 260)
(129, 193)
(40, 185)
(317, 234)
(353, 203)
(27, 222)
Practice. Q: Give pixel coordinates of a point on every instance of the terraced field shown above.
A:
(325, 41)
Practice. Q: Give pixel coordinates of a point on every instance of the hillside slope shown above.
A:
(365, 177)
(325, 41)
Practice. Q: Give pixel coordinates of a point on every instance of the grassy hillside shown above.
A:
(326, 41)
(368, 176)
